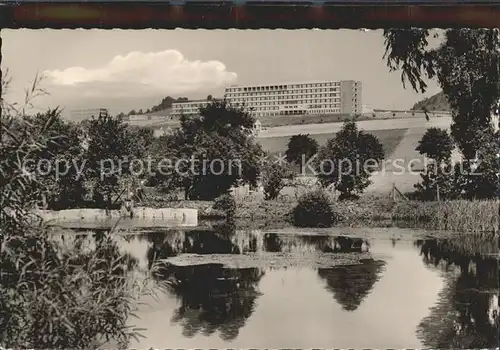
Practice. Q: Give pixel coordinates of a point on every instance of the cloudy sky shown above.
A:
(125, 69)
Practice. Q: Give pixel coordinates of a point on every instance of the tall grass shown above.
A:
(54, 294)
(460, 215)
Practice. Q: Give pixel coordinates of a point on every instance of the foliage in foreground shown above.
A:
(314, 210)
(57, 295)
(54, 295)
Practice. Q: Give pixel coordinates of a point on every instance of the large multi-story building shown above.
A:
(303, 98)
(80, 114)
(188, 108)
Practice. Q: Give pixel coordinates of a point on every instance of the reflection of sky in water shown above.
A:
(297, 310)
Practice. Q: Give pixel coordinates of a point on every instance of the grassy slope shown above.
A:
(390, 139)
(270, 122)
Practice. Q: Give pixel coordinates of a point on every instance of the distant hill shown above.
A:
(437, 102)
(163, 108)
(166, 103)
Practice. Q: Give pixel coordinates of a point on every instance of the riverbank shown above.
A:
(476, 217)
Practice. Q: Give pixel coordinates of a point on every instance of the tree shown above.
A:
(209, 98)
(485, 179)
(300, 149)
(273, 178)
(141, 139)
(348, 159)
(167, 149)
(218, 151)
(438, 177)
(108, 150)
(467, 65)
(438, 181)
(62, 178)
(436, 144)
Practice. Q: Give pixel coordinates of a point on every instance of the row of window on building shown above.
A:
(283, 87)
(284, 93)
(281, 98)
(281, 102)
(298, 112)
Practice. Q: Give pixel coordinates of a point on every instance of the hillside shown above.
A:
(437, 102)
(163, 108)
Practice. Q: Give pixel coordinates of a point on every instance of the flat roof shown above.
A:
(194, 101)
(295, 83)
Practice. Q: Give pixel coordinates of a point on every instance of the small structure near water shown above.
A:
(140, 217)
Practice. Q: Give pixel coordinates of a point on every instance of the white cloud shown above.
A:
(143, 73)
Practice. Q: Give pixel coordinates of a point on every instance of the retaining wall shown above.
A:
(141, 217)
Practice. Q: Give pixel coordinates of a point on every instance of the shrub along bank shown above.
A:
(460, 215)
(375, 211)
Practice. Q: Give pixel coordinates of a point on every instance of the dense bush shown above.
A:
(314, 210)
(274, 175)
(226, 204)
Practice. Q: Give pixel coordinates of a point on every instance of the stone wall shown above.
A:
(141, 217)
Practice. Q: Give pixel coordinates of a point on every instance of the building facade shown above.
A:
(80, 114)
(188, 108)
(304, 98)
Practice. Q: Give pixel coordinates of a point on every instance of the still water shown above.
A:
(241, 289)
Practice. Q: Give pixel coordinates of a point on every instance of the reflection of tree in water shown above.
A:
(213, 298)
(225, 239)
(171, 243)
(273, 242)
(351, 284)
(466, 315)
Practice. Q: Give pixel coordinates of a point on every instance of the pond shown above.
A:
(253, 289)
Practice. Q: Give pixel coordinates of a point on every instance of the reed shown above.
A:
(479, 217)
